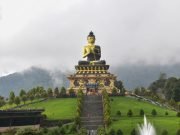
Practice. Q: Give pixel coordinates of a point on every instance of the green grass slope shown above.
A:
(61, 108)
(65, 108)
(123, 104)
(171, 123)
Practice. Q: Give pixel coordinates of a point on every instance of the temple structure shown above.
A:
(92, 75)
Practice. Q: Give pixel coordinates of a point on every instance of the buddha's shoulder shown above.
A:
(97, 46)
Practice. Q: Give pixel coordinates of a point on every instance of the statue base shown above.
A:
(92, 76)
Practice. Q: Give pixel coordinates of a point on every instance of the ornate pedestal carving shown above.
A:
(92, 74)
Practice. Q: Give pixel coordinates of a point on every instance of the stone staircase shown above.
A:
(92, 113)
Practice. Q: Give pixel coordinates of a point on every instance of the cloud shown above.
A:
(51, 33)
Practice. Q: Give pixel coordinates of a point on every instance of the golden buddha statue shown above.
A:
(92, 52)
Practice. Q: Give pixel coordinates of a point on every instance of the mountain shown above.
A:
(137, 75)
(31, 78)
(132, 76)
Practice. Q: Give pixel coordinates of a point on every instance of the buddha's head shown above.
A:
(91, 38)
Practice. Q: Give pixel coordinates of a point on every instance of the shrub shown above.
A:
(133, 132)
(45, 130)
(154, 113)
(119, 132)
(164, 132)
(73, 129)
(60, 124)
(178, 132)
(28, 131)
(67, 126)
(10, 132)
(82, 131)
(178, 114)
(77, 121)
(44, 116)
(52, 132)
(118, 113)
(129, 113)
(101, 131)
(166, 113)
(141, 112)
(62, 130)
(112, 132)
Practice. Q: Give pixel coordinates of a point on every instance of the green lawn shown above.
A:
(171, 123)
(65, 108)
(123, 104)
(61, 108)
(126, 124)
(8, 106)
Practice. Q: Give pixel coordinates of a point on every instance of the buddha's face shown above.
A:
(91, 40)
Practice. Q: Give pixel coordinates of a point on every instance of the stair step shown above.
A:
(92, 112)
(92, 127)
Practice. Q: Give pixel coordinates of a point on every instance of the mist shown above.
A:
(51, 33)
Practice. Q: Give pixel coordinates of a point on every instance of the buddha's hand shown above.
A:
(86, 52)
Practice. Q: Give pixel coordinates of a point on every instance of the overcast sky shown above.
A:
(51, 33)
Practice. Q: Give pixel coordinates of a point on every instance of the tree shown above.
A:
(44, 94)
(129, 113)
(63, 92)
(2, 102)
(137, 91)
(176, 93)
(119, 132)
(114, 91)
(50, 92)
(22, 93)
(141, 112)
(17, 101)
(154, 113)
(56, 92)
(31, 97)
(11, 97)
(119, 85)
(24, 98)
(172, 102)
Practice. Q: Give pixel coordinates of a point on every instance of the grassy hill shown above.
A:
(126, 124)
(65, 108)
(62, 108)
(123, 104)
